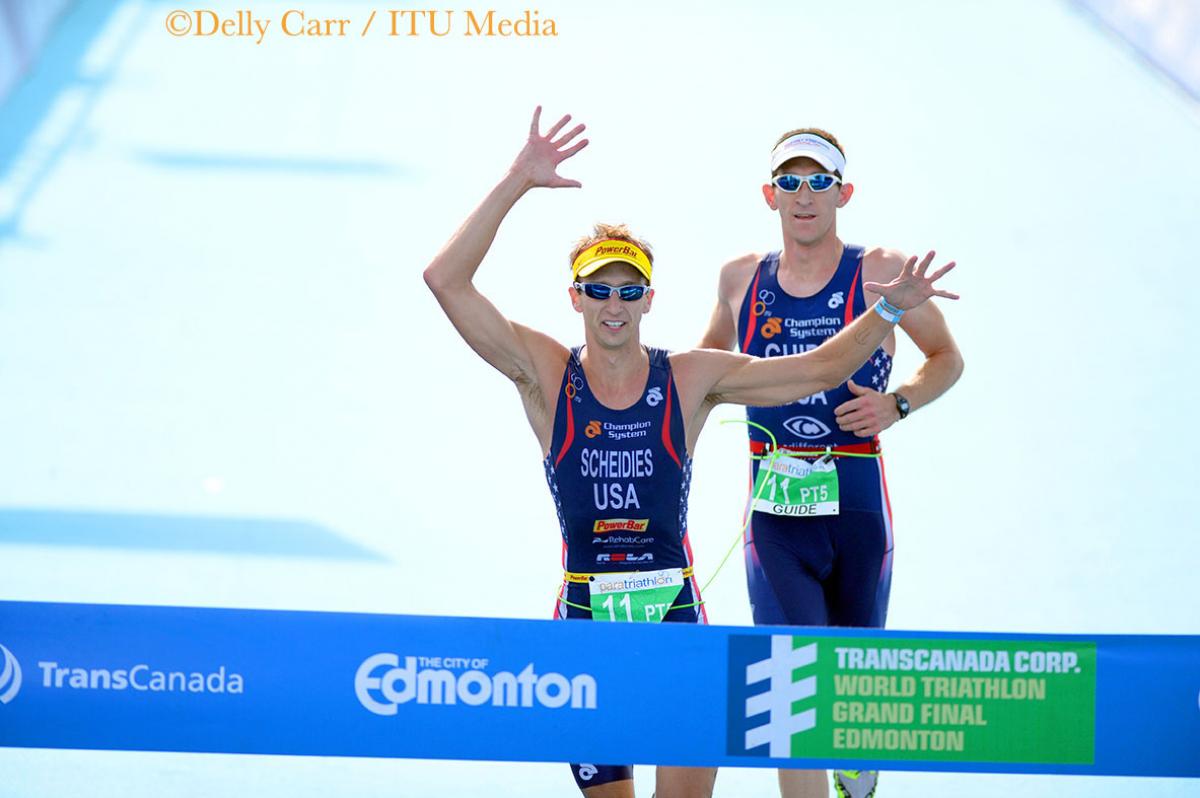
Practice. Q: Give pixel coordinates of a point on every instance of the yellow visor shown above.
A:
(609, 251)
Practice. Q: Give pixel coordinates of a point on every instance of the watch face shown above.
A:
(901, 405)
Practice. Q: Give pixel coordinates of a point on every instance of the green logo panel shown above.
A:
(950, 701)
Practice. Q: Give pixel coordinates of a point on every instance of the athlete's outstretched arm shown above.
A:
(503, 344)
(742, 379)
(870, 411)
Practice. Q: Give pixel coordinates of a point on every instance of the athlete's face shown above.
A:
(612, 322)
(807, 216)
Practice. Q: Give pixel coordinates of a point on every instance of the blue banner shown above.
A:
(334, 684)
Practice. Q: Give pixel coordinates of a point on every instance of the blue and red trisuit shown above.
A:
(620, 482)
(822, 570)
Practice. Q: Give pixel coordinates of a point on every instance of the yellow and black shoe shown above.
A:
(855, 783)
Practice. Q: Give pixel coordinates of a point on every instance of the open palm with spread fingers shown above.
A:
(539, 159)
(911, 286)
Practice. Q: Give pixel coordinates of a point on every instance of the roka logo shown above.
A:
(654, 397)
(10, 676)
(592, 429)
(806, 427)
(621, 556)
(837, 300)
(768, 681)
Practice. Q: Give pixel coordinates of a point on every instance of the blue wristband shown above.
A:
(888, 311)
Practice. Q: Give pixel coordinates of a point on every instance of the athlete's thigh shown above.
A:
(860, 584)
(677, 782)
(686, 607)
(787, 560)
(604, 781)
(616, 781)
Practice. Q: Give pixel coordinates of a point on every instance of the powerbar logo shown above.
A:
(622, 250)
(621, 525)
(10, 677)
(769, 695)
(381, 684)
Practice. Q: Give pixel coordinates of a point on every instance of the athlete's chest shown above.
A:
(804, 285)
(777, 290)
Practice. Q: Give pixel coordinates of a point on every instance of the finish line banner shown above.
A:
(335, 684)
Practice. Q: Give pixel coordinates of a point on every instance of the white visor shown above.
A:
(806, 145)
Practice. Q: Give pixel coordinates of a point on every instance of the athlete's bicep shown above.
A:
(539, 393)
(927, 328)
(771, 381)
(736, 378)
(547, 356)
(721, 332)
(486, 330)
(880, 265)
(734, 281)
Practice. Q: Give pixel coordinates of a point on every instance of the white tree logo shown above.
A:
(783, 690)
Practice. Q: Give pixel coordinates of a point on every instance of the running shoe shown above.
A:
(855, 783)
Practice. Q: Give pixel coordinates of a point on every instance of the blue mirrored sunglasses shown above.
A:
(600, 291)
(818, 182)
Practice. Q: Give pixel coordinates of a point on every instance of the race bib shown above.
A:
(791, 486)
(636, 596)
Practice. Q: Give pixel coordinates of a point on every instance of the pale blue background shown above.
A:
(211, 307)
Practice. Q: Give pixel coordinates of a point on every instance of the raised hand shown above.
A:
(538, 160)
(911, 287)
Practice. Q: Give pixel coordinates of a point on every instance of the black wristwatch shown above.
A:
(902, 405)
